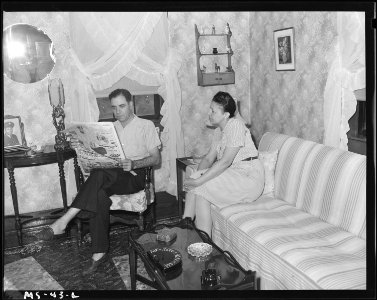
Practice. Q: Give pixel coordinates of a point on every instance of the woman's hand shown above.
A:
(190, 183)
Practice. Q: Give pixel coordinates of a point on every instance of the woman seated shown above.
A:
(230, 172)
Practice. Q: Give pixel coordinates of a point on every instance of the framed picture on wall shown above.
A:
(14, 136)
(284, 49)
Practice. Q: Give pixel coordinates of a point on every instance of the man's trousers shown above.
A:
(94, 201)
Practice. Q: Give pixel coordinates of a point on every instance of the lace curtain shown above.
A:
(107, 46)
(347, 73)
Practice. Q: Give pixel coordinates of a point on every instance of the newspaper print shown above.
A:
(99, 145)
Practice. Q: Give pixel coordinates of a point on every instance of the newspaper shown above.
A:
(99, 145)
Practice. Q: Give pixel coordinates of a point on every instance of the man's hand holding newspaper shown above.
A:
(126, 163)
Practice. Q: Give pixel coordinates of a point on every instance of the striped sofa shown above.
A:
(310, 234)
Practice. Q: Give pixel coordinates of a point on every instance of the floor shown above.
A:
(57, 265)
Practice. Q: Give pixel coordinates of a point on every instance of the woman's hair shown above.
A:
(226, 101)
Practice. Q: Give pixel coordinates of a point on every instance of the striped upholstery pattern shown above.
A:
(333, 188)
(311, 233)
(290, 163)
(289, 248)
(271, 141)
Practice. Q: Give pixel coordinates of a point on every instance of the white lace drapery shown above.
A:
(107, 46)
(347, 73)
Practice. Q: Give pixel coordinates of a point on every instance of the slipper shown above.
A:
(47, 234)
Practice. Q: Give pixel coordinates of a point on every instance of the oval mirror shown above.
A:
(27, 53)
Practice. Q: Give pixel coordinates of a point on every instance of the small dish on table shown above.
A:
(199, 249)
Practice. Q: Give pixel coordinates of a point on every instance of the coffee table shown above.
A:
(232, 275)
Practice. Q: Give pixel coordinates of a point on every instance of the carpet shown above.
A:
(123, 266)
(28, 274)
(58, 265)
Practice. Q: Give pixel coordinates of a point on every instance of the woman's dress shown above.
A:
(242, 181)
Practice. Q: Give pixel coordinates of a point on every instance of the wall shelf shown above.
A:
(211, 54)
(214, 78)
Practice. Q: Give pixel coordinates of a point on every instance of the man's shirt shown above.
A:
(138, 138)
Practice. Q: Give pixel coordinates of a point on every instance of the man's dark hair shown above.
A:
(226, 101)
(123, 92)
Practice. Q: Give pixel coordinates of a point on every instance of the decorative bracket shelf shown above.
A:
(214, 78)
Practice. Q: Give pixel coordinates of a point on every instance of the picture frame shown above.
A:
(14, 135)
(146, 106)
(284, 49)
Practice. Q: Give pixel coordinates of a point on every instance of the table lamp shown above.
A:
(57, 101)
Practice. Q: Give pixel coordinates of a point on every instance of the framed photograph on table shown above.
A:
(14, 136)
(284, 49)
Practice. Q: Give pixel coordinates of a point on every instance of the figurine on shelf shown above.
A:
(204, 69)
(214, 51)
(229, 69)
(227, 29)
(228, 49)
(217, 68)
(213, 29)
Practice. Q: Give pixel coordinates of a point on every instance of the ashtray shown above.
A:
(166, 259)
(199, 249)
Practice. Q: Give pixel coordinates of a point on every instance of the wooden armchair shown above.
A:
(140, 204)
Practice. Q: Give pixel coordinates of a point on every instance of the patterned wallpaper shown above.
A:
(267, 97)
(279, 101)
(196, 99)
(38, 188)
(290, 102)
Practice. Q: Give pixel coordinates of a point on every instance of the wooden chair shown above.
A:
(139, 204)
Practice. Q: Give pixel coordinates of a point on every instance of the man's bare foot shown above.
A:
(97, 256)
(58, 227)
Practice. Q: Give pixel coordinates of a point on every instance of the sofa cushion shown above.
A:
(291, 160)
(333, 188)
(289, 248)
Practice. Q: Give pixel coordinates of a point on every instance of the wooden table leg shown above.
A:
(13, 190)
(133, 266)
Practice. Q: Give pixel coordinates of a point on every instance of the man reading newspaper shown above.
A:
(141, 144)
